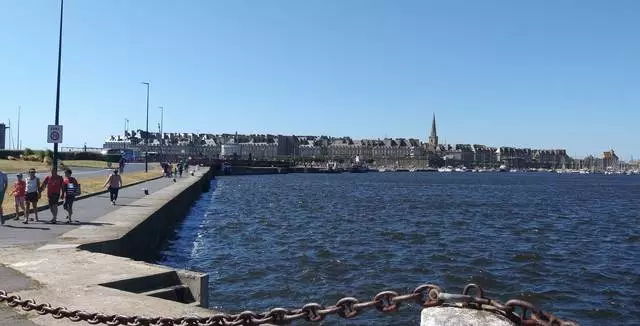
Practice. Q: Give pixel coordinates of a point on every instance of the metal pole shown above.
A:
(55, 145)
(146, 156)
(18, 141)
(146, 138)
(161, 119)
(161, 130)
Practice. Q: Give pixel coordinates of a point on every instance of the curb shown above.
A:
(45, 207)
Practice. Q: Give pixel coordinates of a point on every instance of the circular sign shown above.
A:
(54, 135)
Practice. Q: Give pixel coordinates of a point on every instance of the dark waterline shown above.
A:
(568, 243)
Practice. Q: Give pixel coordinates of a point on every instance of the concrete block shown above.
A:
(455, 316)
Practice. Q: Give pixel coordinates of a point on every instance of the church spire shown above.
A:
(433, 138)
(433, 126)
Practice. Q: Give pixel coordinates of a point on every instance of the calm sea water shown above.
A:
(568, 243)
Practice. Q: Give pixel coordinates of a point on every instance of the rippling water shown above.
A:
(568, 243)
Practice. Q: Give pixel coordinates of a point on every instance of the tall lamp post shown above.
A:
(146, 138)
(161, 129)
(57, 120)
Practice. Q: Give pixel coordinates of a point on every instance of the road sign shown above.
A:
(54, 134)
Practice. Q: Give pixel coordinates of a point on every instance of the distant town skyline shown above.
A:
(502, 73)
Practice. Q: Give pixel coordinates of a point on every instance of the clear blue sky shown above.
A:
(542, 74)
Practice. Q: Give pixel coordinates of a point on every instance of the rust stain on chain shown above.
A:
(426, 295)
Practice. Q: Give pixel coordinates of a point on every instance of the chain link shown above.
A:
(426, 295)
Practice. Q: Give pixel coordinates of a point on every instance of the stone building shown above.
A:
(385, 151)
(610, 160)
(3, 135)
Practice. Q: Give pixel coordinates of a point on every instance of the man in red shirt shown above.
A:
(53, 183)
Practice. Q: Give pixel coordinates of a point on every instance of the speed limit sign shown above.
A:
(54, 134)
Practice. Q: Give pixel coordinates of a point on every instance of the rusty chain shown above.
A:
(426, 295)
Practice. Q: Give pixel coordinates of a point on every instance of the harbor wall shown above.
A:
(143, 239)
(137, 231)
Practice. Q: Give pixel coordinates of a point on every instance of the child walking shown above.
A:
(19, 192)
(70, 189)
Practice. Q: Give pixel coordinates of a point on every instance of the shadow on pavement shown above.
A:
(26, 227)
(89, 223)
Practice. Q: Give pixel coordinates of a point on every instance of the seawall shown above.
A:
(150, 219)
(94, 267)
(252, 170)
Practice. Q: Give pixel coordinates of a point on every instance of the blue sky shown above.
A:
(542, 74)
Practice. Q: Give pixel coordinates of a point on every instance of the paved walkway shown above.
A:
(14, 233)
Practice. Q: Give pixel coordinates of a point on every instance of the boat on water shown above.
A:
(446, 169)
(413, 170)
(382, 169)
(332, 167)
(503, 168)
(358, 167)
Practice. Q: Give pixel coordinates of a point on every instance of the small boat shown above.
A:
(413, 170)
(357, 167)
(503, 168)
(447, 169)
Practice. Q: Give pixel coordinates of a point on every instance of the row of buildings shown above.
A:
(387, 151)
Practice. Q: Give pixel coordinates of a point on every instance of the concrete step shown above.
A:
(146, 283)
(179, 293)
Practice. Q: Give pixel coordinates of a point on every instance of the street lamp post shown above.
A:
(57, 120)
(146, 138)
(161, 118)
(161, 130)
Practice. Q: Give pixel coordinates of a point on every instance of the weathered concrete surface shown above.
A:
(454, 316)
(13, 281)
(69, 277)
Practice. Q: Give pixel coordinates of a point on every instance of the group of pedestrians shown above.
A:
(27, 192)
(174, 170)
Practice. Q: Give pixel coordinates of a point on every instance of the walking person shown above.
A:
(114, 181)
(180, 169)
(4, 183)
(122, 163)
(33, 194)
(53, 183)
(19, 190)
(70, 189)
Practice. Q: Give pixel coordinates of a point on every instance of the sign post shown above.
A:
(54, 134)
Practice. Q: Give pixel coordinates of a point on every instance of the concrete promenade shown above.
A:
(85, 211)
(42, 261)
